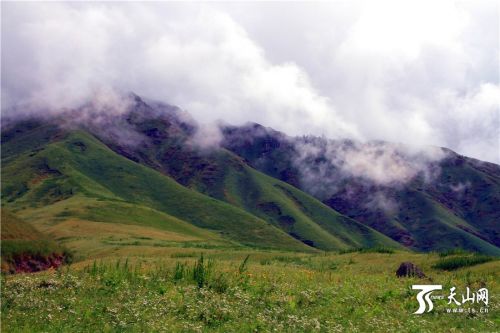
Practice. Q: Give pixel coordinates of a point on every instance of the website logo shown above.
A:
(455, 304)
(424, 296)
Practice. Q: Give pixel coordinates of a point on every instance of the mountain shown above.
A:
(64, 178)
(424, 202)
(91, 178)
(73, 175)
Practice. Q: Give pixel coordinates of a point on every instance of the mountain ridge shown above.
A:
(255, 171)
(459, 181)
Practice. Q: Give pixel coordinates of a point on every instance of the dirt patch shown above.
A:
(39, 179)
(30, 263)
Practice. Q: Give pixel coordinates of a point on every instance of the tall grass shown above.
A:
(243, 266)
(202, 273)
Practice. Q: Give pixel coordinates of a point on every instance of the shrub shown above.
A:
(453, 252)
(453, 263)
(377, 249)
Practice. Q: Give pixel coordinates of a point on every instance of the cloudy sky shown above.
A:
(413, 72)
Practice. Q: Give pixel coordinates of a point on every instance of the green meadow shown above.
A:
(218, 289)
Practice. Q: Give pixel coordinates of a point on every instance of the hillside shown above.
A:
(77, 177)
(74, 178)
(14, 228)
(25, 249)
(167, 147)
(452, 202)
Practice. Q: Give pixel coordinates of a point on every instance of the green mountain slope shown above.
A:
(286, 207)
(79, 167)
(225, 176)
(457, 208)
(430, 225)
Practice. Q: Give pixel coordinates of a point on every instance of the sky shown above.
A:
(420, 73)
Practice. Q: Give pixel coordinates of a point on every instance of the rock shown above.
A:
(408, 269)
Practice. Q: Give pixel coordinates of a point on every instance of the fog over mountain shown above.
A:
(414, 72)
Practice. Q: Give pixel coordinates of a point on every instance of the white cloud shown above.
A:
(415, 72)
(475, 121)
(325, 164)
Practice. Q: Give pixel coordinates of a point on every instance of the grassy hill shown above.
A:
(21, 242)
(421, 222)
(286, 207)
(14, 228)
(224, 176)
(77, 177)
(457, 209)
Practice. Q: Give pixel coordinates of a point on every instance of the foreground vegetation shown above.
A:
(243, 291)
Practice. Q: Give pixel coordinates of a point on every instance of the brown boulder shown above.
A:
(408, 269)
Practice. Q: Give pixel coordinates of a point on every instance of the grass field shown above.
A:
(168, 289)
